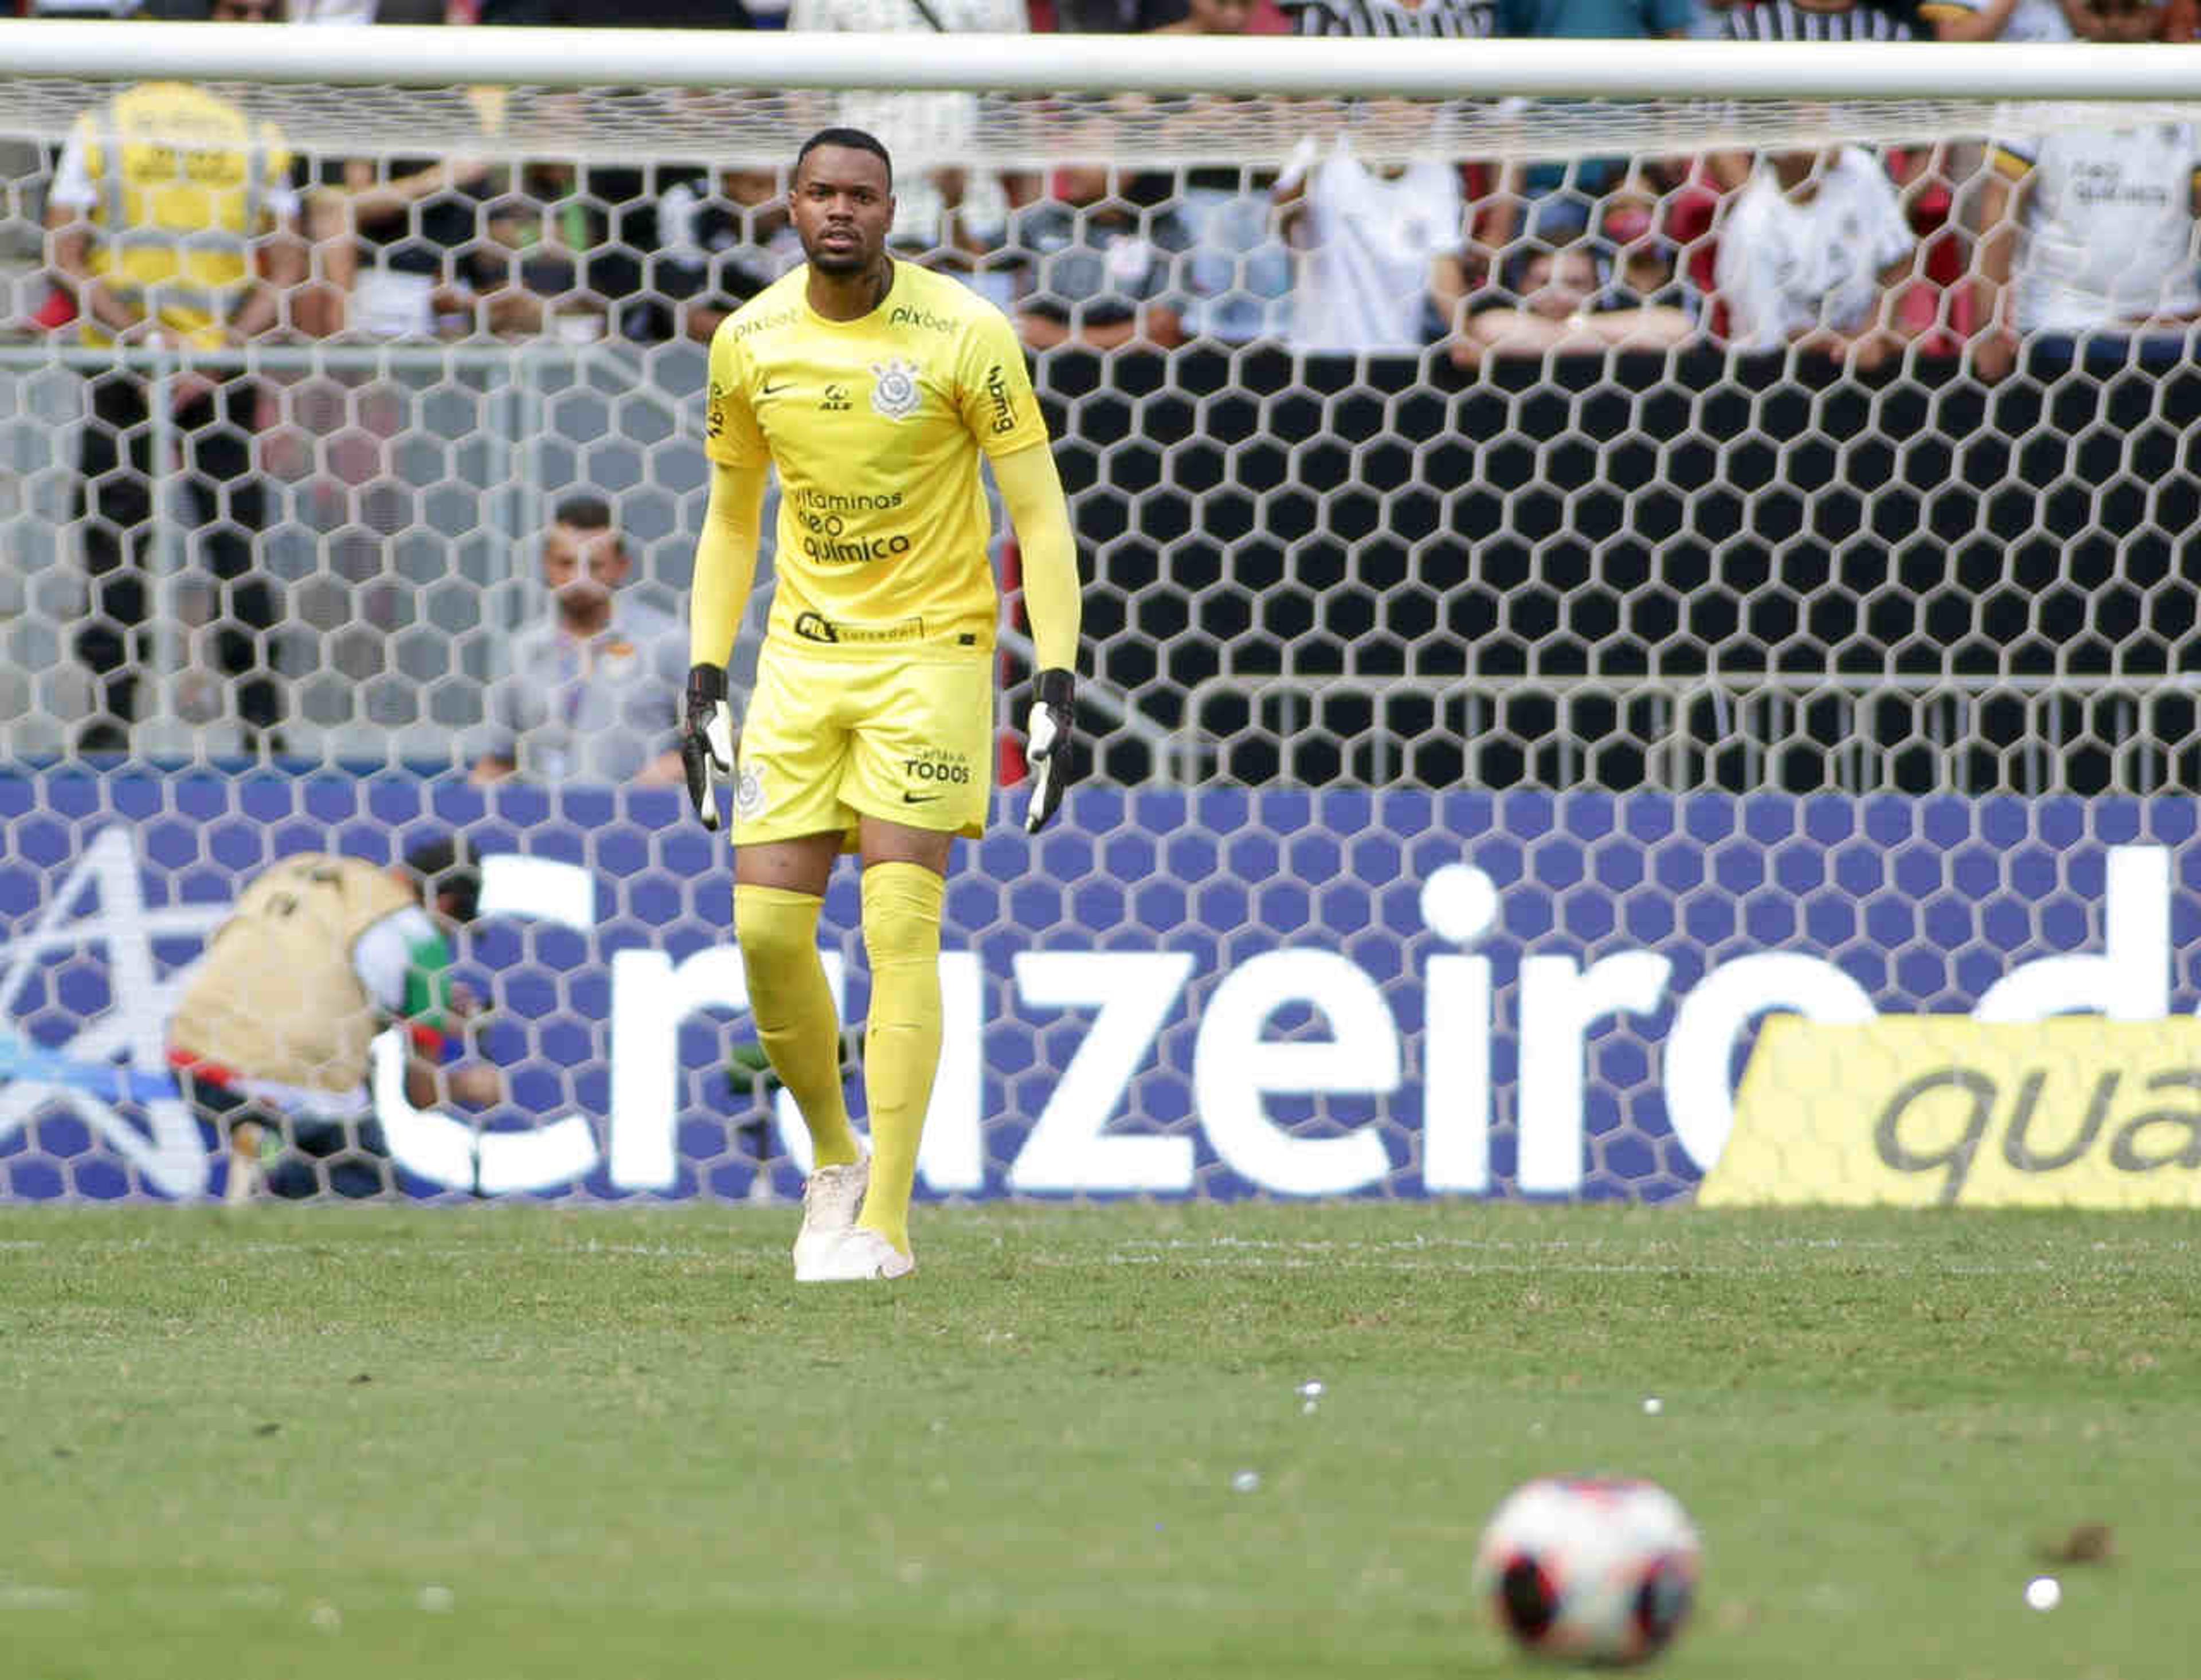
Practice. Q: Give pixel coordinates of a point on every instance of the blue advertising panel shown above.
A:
(1216, 994)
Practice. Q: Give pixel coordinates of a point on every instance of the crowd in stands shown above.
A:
(1843, 251)
(2074, 243)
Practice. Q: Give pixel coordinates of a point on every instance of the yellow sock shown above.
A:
(901, 1040)
(793, 1008)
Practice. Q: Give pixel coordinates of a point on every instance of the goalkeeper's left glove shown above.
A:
(1049, 748)
(707, 738)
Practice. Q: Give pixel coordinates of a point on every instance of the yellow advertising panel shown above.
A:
(1942, 1110)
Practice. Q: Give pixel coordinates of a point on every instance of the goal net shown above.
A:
(646, 96)
(1584, 548)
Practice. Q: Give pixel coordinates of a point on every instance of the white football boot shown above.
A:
(832, 1197)
(857, 1257)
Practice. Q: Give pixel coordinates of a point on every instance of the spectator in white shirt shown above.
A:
(1106, 258)
(356, 12)
(2041, 22)
(941, 205)
(1379, 246)
(1996, 20)
(2090, 235)
(1240, 272)
(1814, 255)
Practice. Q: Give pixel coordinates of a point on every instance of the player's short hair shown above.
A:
(583, 512)
(446, 868)
(855, 139)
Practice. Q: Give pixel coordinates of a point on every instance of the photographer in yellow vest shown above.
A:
(173, 221)
(271, 1036)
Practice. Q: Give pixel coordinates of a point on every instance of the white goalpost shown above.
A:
(731, 95)
(353, 56)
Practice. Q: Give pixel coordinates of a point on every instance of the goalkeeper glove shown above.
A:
(1047, 746)
(707, 738)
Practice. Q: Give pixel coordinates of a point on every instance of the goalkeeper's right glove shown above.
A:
(707, 738)
(1049, 745)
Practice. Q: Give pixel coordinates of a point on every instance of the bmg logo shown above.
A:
(1005, 411)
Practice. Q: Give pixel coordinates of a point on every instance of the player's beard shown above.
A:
(843, 265)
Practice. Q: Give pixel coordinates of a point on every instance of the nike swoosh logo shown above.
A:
(772, 390)
(919, 798)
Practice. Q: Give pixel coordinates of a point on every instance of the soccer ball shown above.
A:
(1588, 1569)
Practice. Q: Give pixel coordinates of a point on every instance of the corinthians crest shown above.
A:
(894, 388)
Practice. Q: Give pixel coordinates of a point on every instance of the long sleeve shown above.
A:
(1032, 491)
(726, 562)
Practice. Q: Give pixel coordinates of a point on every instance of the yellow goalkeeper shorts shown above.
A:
(827, 742)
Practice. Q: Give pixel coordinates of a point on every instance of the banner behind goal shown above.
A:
(1561, 597)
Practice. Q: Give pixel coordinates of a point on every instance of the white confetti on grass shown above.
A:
(25, 1595)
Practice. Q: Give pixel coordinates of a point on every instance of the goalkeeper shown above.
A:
(874, 387)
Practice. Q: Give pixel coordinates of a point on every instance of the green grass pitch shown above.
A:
(549, 1445)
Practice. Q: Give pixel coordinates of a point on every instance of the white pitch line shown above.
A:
(14, 1596)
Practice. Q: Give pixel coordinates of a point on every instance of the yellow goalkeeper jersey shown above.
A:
(876, 426)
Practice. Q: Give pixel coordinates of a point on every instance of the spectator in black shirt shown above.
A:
(1471, 19)
(547, 262)
(710, 251)
(1564, 302)
(1116, 17)
(1104, 255)
(386, 238)
(618, 14)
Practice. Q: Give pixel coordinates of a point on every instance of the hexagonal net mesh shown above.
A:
(1529, 580)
